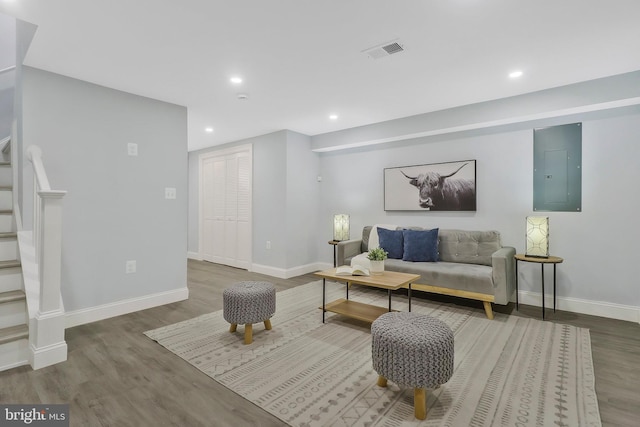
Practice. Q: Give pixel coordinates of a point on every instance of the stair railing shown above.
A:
(47, 345)
(47, 232)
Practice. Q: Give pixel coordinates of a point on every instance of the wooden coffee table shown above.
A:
(389, 280)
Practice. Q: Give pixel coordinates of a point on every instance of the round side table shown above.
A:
(555, 260)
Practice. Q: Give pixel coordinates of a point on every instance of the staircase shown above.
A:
(14, 330)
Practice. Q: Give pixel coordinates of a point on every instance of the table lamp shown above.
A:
(537, 236)
(340, 227)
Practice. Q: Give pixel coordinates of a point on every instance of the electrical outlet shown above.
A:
(268, 244)
(132, 149)
(130, 267)
(169, 193)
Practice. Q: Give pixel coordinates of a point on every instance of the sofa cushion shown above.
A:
(374, 241)
(469, 247)
(391, 241)
(420, 245)
(452, 275)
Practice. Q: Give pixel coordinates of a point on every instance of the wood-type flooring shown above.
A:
(115, 376)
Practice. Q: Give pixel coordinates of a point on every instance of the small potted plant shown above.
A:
(376, 257)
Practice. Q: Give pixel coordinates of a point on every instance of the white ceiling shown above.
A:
(302, 59)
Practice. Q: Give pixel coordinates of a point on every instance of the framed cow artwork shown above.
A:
(434, 187)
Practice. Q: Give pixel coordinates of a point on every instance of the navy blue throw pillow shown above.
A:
(391, 241)
(420, 245)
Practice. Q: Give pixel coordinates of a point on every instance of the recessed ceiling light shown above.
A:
(515, 74)
(208, 130)
(236, 80)
(333, 117)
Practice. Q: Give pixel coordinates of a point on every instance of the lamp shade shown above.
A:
(340, 227)
(537, 236)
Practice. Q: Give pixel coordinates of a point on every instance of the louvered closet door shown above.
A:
(213, 222)
(243, 213)
(226, 213)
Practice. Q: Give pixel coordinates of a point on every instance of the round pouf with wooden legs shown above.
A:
(412, 350)
(248, 303)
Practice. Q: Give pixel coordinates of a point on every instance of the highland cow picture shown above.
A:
(433, 187)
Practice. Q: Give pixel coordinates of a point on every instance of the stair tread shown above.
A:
(14, 333)
(10, 264)
(11, 296)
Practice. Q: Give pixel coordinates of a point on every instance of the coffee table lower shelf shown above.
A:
(355, 310)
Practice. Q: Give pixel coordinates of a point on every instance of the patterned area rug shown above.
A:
(509, 371)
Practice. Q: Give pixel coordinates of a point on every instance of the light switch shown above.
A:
(132, 149)
(169, 193)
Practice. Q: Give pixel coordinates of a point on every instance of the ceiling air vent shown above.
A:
(383, 50)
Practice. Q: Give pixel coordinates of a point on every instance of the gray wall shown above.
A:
(115, 208)
(24, 35)
(269, 199)
(285, 199)
(269, 179)
(303, 201)
(7, 41)
(599, 244)
(294, 211)
(6, 107)
(7, 79)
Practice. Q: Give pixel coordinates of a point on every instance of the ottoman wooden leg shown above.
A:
(233, 327)
(267, 324)
(248, 333)
(420, 403)
(382, 381)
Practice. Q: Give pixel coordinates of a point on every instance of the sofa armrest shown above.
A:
(347, 249)
(504, 276)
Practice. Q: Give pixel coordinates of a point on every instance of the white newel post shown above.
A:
(47, 326)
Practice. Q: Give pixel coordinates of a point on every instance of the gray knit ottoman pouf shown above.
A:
(412, 350)
(247, 303)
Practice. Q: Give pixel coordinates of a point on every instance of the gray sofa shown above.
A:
(472, 264)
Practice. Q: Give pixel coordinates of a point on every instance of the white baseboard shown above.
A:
(575, 305)
(194, 255)
(47, 356)
(101, 312)
(324, 266)
(282, 273)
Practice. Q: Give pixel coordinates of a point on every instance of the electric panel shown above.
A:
(557, 168)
